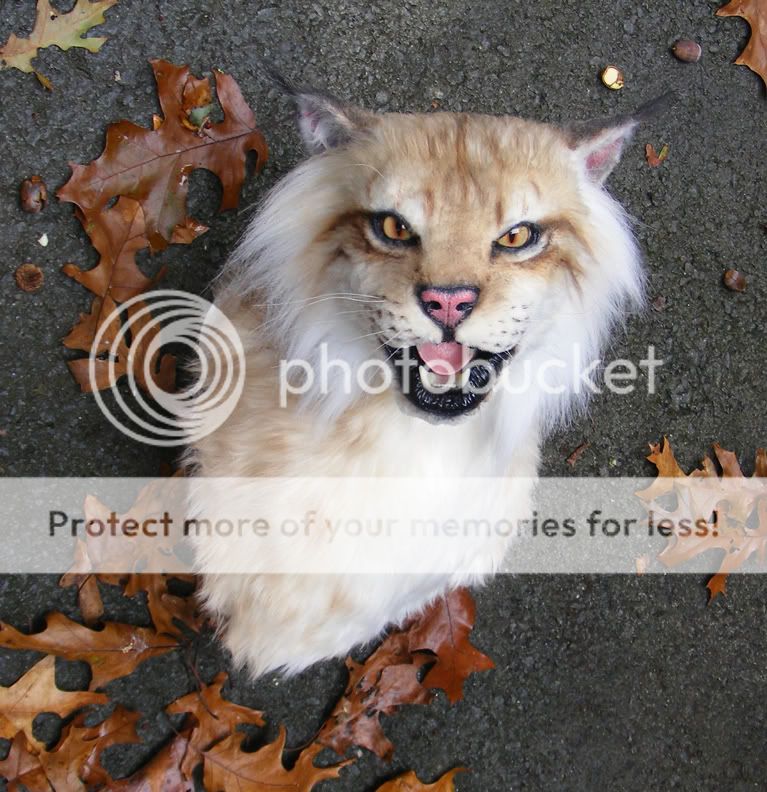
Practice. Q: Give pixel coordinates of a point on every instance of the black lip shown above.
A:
(451, 403)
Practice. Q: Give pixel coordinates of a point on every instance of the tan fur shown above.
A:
(461, 181)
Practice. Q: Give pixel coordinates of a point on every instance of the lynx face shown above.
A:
(469, 230)
(465, 243)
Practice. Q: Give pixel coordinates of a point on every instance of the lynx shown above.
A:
(458, 249)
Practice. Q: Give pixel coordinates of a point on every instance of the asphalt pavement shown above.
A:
(611, 682)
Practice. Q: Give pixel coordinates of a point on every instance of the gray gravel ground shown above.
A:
(601, 682)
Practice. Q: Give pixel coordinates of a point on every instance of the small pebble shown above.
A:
(43, 240)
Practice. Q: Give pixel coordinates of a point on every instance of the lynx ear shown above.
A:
(599, 144)
(323, 121)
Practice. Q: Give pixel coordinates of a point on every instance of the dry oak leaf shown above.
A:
(391, 676)
(162, 773)
(152, 166)
(118, 234)
(115, 651)
(165, 608)
(115, 552)
(88, 596)
(54, 29)
(75, 762)
(122, 357)
(755, 13)
(210, 718)
(408, 782)
(655, 159)
(444, 629)
(36, 692)
(740, 529)
(388, 679)
(22, 767)
(227, 768)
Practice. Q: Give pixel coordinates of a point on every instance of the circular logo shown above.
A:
(132, 342)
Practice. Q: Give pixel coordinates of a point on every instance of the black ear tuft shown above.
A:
(324, 121)
(273, 74)
(655, 107)
(600, 142)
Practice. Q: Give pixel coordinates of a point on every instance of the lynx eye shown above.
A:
(392, 228)
(518, 237)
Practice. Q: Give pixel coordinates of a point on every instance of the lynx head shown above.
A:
(454, 246)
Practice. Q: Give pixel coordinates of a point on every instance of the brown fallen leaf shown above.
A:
(112, 652)
(408, 782)
(29, 277)
(117, 234)
(22, 767)
(148, 171)
(36, 692)
(663, 458)
(165, 608)
(159, 499)
(740, 527)
(755, 54)
(33, 195)
(162, 773)
(55, 29)
(391, 676)
(121, 356)
(88, 596)
(653, 158)
(578, 453)
(210, 718)
(75, 762)
(227, 768)
(388, 679)
(444, 629)
(152, 166)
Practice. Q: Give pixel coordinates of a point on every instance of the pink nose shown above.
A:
(448, 307)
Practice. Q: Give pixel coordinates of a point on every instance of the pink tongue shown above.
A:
(448, 358)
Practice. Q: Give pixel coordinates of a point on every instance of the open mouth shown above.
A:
(448, 379)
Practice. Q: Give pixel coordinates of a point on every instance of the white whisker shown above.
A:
(355, 297)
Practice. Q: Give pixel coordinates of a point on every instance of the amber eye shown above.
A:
(392, 228)
(518, 237)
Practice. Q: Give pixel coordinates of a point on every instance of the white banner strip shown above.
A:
(383, 525)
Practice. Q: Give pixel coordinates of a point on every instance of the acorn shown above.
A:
(734, 280)
(613, 78)
(33, 194)
(29, 277)
(687, 50)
